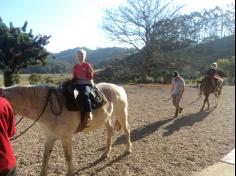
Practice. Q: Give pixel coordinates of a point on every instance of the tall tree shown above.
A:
(133, 22)
(18, 49)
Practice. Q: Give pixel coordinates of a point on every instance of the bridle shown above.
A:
(50, 92)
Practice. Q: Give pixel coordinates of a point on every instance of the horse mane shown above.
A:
(33, 92)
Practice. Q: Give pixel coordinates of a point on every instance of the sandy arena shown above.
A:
(162, 145)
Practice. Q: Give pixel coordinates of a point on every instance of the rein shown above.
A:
(48, 99)
(19, 121)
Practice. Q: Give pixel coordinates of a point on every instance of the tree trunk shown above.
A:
(145, 69)
(10, 78)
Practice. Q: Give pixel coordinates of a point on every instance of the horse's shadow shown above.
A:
(144, 131)
(188, 120)
(119, 158)
(141, 132)
(136, 135)
(147, 130)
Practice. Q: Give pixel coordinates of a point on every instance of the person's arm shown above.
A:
(90, 72)
(172, 87)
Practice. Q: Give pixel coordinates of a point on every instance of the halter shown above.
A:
(48, 99)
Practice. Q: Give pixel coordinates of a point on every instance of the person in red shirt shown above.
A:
(83, 79)
(7, 130)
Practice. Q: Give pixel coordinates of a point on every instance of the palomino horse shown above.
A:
(31, 102)
(207, 88)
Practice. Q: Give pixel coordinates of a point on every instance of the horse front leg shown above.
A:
(50, 141)
(67, 148)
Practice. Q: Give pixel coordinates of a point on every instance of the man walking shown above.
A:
(177, 91)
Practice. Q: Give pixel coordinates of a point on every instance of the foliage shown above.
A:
(35, 79)
(19, 49)
(228, 66)
(191, 62)
(133, 24)
(155, 28)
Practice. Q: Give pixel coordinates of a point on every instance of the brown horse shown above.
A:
(59, 123)
(207, 88)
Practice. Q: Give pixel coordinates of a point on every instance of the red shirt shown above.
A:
(83, 71)
(7, 130)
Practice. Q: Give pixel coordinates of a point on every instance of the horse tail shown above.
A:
(110, 109)
(117, 125)
(200, 82)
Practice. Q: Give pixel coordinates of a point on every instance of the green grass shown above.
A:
(24, 78)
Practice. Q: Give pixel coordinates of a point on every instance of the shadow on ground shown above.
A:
(99, 169)
(185, 121)
(144, 131)
(141, 132)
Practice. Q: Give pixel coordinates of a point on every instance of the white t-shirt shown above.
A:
(178, 85)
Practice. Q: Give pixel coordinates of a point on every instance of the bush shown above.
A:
(48, 80)
(35, 79)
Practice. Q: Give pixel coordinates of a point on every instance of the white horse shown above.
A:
(30, 102)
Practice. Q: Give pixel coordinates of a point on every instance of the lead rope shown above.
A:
(186, 104)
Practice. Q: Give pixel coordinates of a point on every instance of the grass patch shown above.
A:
(55, 78)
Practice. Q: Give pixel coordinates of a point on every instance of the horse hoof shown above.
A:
(128, 152)
(105, 156)
(69, 174)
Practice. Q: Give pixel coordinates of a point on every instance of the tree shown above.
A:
(228, 67)
(133, 24)
(18, 49)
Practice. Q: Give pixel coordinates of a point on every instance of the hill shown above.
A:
(125, 65)
(94, 56)
(63, 62)
(190, 61)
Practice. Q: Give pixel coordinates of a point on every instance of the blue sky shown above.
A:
(74, 23)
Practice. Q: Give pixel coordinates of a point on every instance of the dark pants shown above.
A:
(10, 172)
(84, 92)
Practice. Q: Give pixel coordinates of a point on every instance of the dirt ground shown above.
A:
(162, 145)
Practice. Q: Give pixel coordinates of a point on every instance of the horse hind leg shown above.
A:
(205, 100)
(50, 141)
(125, 126)
(216, 99)
(208, 104)
(110, 133)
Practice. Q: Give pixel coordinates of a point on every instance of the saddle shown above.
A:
(73, 103)
(213, 81)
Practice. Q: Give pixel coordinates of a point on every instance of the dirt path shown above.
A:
(162, 145)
